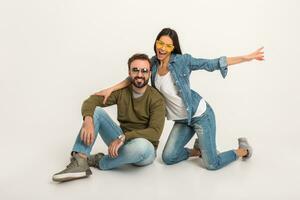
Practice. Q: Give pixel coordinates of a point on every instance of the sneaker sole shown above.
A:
(71, 176)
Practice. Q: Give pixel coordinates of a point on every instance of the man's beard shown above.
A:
(139, 83)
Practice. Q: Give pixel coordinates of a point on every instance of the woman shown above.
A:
(190, 112)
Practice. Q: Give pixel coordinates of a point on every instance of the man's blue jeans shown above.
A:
(205, 128)
(137, 151)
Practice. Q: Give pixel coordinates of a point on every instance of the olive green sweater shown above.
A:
(141, 117)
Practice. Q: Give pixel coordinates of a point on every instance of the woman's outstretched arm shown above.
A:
(257, 55)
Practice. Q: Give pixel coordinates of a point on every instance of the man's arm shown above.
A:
(89, 105)
(87, 131)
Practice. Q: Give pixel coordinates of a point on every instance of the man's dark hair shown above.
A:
(138, 56)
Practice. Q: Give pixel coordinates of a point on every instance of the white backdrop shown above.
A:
(54, 54)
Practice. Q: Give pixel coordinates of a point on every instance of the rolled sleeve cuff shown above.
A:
(87, 114)
(128, 135)
(223, 66)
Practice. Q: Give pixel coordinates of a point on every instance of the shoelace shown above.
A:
(73, 163)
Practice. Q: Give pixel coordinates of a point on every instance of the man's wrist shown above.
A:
(122, 137)
(88, 119)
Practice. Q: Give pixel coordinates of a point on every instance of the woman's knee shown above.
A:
(212, 167)
(210, 164)
(169, 157)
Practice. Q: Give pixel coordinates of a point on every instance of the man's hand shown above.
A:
(114, 148)
(87, 131)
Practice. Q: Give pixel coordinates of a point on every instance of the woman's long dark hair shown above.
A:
(173, 35)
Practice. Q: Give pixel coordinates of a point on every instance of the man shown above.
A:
(141, 113)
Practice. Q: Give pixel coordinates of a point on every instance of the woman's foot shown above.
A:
(195, 151)
(244, 150)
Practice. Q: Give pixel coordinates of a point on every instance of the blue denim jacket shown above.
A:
(181, 67)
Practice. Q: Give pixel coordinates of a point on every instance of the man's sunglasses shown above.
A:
(136, 70)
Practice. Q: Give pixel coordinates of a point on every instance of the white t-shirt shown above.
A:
(176, 109)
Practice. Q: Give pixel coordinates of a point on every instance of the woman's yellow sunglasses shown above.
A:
(160, 44)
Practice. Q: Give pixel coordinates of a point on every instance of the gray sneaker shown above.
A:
(93, 160)
(78, 168)
(243, 144)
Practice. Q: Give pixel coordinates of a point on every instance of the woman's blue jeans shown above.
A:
(205, 128)
(137, 151)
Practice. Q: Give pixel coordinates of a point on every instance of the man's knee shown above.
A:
(99, 113)
(145, 151)
(143, 147)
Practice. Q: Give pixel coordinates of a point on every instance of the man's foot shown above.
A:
(93, 160)
(78, 168)
(243, 144)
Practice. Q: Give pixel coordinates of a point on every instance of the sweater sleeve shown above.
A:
(156, 123)
(89, 105)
